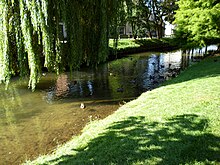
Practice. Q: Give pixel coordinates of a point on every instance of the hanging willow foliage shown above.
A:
(87, 32)
(30, 35)
(27, 41)
(4, 46)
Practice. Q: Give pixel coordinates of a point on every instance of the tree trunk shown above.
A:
(150, 35)
(206, 49)
(159, 32)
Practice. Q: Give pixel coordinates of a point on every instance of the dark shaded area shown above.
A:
(181, 139)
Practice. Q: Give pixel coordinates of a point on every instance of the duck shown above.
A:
(82, 106)
(44, 71)
(151, 77)
(133, 81)
(155, 82)
(161, 76)
(120, 89)
(162, 66)
(121, 103)
(74, 82)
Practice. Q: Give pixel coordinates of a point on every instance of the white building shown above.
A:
(125, 31)
(169, 29)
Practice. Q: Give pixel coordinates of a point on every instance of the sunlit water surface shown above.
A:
(33, 123)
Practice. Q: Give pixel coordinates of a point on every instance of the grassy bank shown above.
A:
(177, 123)
(129, 46)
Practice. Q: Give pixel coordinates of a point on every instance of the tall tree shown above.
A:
(162, 10)
(141, 18)
(29, 30)
(24, 30)
(149, 15)
(122, 9)
(198, 21)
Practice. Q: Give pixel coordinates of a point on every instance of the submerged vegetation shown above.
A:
(177, 123)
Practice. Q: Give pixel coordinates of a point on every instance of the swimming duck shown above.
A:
(82, 106)
(120, 89)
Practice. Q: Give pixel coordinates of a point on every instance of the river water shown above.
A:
(34, 123)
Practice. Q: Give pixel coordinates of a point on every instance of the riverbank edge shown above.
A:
(142, 45)
(200, 79)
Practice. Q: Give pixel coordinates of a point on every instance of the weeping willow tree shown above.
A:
(27, 40)
(30, 35)
(119, 18)
(87, 33)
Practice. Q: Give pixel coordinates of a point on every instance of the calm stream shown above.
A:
(34, 123)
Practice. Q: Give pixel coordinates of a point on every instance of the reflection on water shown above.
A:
(34, 123)
(123, 78)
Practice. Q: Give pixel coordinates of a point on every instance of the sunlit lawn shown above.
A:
(130, 42)
(178, 123)
(124, 43)
(126, 46)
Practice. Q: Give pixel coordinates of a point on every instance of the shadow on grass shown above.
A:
(179, 140)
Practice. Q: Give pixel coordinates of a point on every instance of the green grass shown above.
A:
(177, 123)
(124, 43)
(147, 44)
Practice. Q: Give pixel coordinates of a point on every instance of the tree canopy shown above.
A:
(30, 35)
(31, 38)
(198, 21)
(150, 15)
